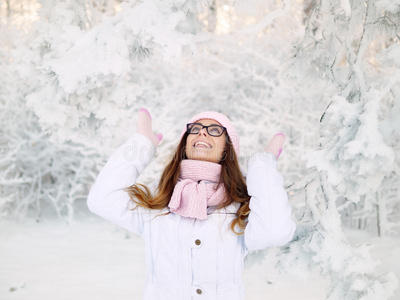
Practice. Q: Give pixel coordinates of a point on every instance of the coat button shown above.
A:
(199, 291)
(197, 242)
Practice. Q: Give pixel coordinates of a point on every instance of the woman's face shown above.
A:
(216, 144)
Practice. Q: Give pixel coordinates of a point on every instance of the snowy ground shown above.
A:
(93, 259)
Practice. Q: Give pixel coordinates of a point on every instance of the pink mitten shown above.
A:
(275, 144)
(144, 127)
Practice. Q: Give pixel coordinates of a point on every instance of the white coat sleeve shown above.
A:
(107, 198)
(269, 221)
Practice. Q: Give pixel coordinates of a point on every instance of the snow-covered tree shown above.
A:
(352, 44)
(37, 176)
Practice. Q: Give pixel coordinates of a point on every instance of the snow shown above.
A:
(93, 259)
(392, 6)
(391, 55)
(105, 50)
(345, 5)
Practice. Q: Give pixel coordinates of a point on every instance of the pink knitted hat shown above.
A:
(223, 120)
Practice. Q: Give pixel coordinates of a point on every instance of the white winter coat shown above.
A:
(188, 258)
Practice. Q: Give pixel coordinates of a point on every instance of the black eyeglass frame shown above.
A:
(206, 127)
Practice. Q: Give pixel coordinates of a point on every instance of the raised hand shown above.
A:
(144, 127)
(274, 146)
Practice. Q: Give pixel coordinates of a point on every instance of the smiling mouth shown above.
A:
(202, 145)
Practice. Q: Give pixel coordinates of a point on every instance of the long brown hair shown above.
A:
(231, 177)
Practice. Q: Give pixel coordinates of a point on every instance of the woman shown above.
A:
(188, 216)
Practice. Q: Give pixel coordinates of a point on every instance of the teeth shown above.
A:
(202, 143)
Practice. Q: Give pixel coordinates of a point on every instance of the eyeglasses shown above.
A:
(213, 130)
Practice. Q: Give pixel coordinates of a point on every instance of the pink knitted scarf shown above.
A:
(195, 189)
